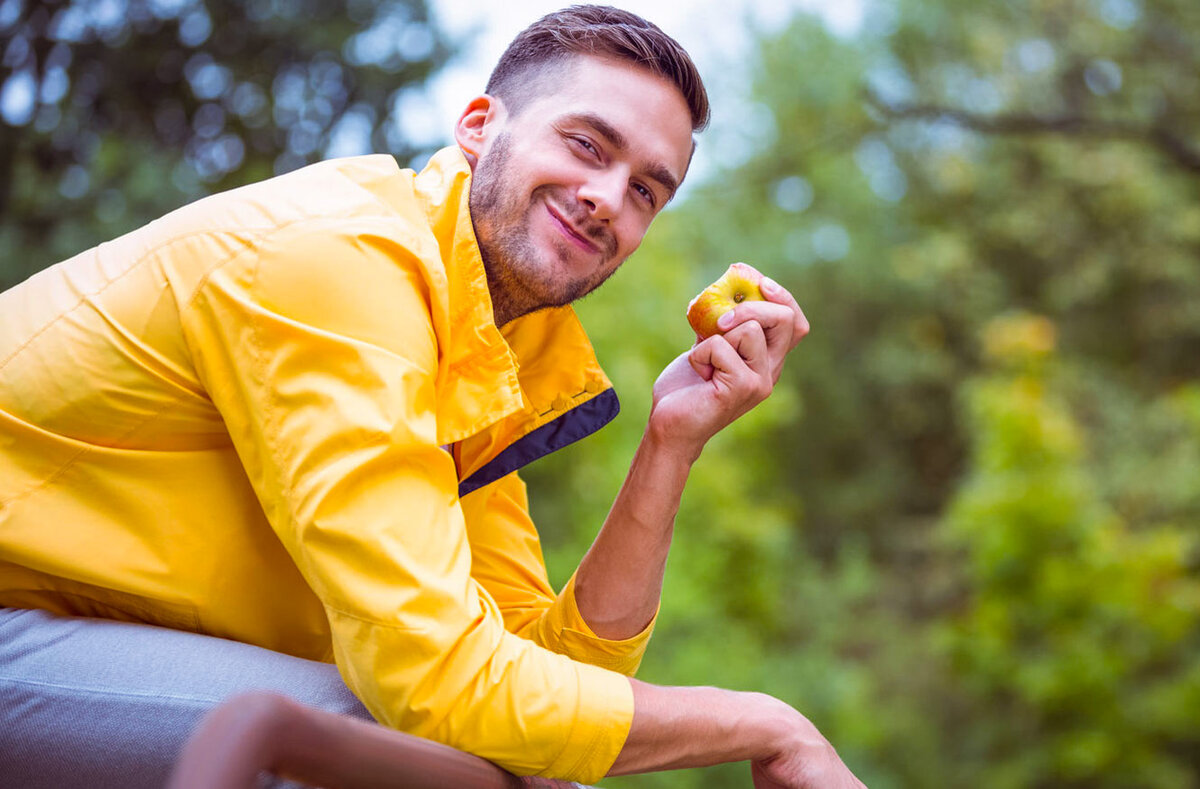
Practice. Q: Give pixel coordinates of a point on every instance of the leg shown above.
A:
(95, 703)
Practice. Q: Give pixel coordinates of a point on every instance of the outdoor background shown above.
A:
(962, 535)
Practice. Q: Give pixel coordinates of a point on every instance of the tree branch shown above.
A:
(1174, 146)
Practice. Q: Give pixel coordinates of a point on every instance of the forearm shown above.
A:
(619, 581)
(678, 727)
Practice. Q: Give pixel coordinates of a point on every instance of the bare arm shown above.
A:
(697, 727)
(619, 581)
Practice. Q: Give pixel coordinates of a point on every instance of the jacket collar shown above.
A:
(505, 396)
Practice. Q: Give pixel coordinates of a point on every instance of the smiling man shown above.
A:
(562, 195)
(271, 441)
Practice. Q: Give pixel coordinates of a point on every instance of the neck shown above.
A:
(506, 293)
(501, 316)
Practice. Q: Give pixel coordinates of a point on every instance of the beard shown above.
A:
(520, 277)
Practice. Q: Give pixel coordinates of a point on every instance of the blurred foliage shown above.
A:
(1079, 626)
(962, 535)
(113, 112)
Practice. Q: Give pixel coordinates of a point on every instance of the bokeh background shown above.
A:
(962, 535)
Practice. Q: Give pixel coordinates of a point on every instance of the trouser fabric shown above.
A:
(99, 704)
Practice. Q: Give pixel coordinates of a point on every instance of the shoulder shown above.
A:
(342, 245)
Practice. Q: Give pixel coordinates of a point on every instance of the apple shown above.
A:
(739, 283)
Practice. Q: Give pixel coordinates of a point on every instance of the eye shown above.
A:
(585, 144)
(645, 193)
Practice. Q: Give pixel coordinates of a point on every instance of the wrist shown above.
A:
(662, 442)
(775, 728)
(792, 746)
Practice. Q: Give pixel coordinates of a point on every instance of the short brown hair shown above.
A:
(597, 30)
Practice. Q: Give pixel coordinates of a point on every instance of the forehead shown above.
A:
(648, 110)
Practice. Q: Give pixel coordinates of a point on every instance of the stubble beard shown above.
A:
(518, 284)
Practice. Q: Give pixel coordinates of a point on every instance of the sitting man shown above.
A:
(271, 440)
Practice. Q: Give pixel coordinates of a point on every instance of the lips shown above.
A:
(568, 230)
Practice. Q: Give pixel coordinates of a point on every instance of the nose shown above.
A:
(604, 194)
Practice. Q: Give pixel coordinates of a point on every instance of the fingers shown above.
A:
(699, 358)
(739, 360)
(780, 316)
(782, 321)
(777, 321)
(778, 294)
(750, 342)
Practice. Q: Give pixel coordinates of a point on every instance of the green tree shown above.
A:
(115, 112)
(1080, 633)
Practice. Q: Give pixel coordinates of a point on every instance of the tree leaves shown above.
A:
(115, 112)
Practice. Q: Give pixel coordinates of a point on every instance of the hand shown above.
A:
(781, 318)
(724, 376)
(821, 768)
(804, 760)
(709, 386)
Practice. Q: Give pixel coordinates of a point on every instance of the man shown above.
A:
(290, 416)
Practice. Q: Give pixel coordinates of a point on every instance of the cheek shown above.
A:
(631, 233)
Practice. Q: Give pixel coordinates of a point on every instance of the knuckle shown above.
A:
(748, 383)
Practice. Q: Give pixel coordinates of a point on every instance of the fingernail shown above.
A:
(769, 284)
(726, 320)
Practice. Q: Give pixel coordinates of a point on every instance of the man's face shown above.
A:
(564, 190)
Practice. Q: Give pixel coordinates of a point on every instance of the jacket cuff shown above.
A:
(602, 722)
(579, 642)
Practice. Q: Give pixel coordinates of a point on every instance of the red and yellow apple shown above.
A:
(739, 283)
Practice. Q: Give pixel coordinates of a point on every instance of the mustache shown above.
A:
(577, 215)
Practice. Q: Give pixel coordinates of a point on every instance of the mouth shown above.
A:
(569, 232)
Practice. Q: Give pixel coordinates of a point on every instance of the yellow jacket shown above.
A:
(284, 415)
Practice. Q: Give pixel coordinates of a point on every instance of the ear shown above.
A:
(478, 124)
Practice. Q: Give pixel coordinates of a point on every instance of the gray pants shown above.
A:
(95, 703)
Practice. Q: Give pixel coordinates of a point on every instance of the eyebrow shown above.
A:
(655, 170)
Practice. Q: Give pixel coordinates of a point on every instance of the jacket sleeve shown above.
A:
(507, 561)
(317, 346)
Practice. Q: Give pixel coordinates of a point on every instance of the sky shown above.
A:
(716, 33)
